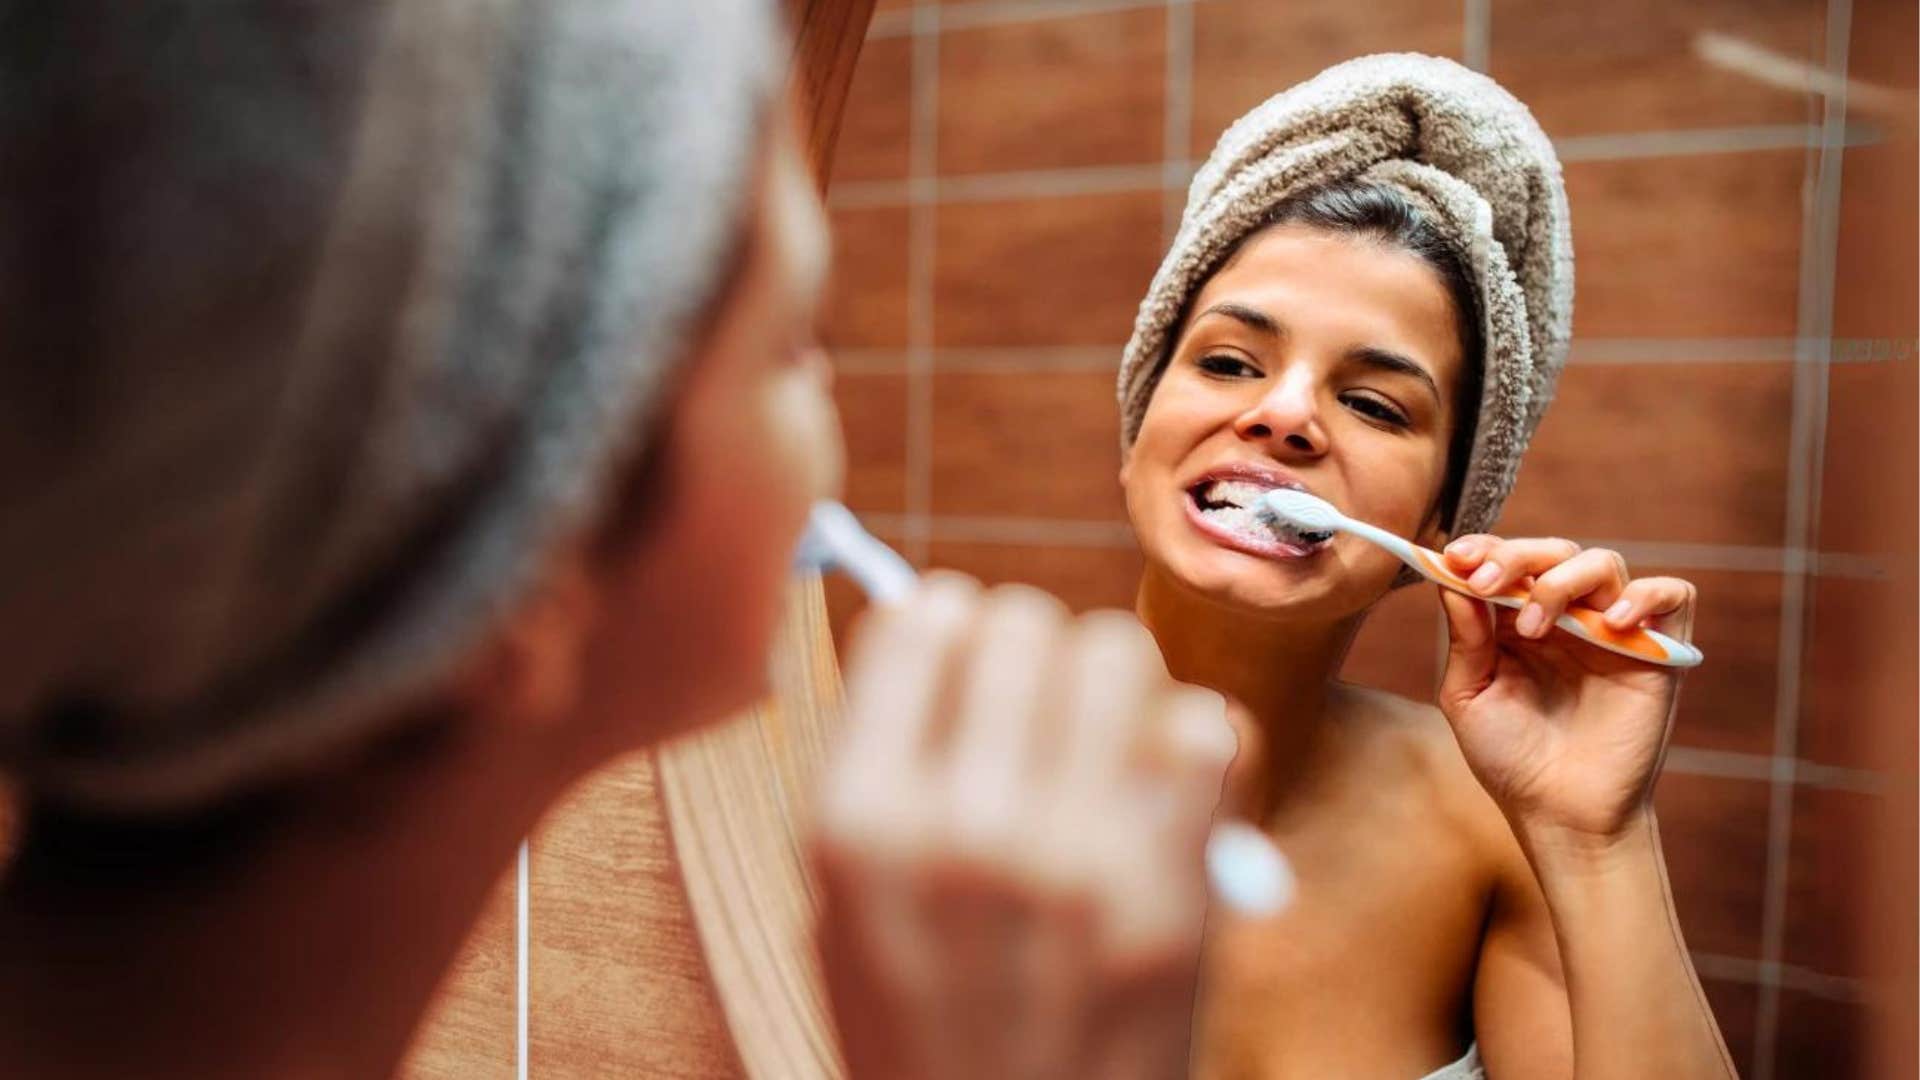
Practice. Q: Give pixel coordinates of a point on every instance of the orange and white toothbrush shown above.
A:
(1310, 514)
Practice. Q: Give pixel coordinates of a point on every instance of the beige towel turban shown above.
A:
(1458, 145)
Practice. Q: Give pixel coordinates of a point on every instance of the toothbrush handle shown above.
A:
(1585, 623)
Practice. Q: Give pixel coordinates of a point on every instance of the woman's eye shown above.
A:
(1374, 408)
(1227, 367)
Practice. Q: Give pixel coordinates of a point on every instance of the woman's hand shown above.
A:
(1011, 842)
(1565, 736)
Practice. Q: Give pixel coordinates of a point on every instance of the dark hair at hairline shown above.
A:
(1373, 211)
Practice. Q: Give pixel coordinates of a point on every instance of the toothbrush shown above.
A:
(1249, 874)
(1312, 514)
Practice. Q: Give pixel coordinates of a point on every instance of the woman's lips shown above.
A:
(1264, 547)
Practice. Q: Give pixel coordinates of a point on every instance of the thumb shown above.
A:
(1472, 650)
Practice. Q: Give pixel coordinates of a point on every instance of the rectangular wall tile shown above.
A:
(1398, 648)
(471, 1031)
(1053, 93)
(1057, 271)
(1043, 444)
(1876, 272)
(1693, 246)
(1858, 681)
(1246, 51)
(1833, 870)
(866, 301)
(1727, 703)
(873, 418)
(1632, 65)
(1734, 1005)
(1694, 453)
(873, 140)
(1823, 1038)
(1870, 470)
(1713, 832)
(1085, 578)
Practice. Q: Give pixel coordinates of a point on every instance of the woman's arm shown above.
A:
(1637, 1006)
(1567, 739)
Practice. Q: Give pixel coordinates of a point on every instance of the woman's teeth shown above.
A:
(1235, 505)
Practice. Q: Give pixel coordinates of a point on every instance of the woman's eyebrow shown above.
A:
(1392, 362)
(1253, 317)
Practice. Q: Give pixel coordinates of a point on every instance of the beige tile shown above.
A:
(873, 417)
(1713, 833)
(1041, 444)
(1631, 65)
(1675, 452)
(1056, 271)
(471, 1030)
(873, 141)
(1701, 245)
(1085, 578)
(1053, 93)
(866, 301)
(1245, 51)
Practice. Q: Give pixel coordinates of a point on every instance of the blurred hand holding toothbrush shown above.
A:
(1013, 836)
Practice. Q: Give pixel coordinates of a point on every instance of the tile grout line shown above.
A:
(521, 925)
(1806, 440)
(888, 24)
(1476, 34)
(1022, 359)
(1171, 174)
(1177, 137)
(923, 149)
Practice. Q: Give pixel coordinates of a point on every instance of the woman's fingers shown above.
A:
(1501, 564)
(1595, 578)
(1013, 838)
(1668, 602)
(1472, 649)
(1003, 690)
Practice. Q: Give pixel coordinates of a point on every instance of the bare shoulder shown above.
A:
(1419, 734)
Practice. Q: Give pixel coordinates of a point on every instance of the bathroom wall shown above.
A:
(1739, 408)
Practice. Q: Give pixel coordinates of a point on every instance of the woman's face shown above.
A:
(690, 606)
(1311, 360)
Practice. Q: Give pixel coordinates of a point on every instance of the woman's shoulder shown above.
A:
(1417, 734)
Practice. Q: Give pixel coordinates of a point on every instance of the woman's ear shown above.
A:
(532, 671)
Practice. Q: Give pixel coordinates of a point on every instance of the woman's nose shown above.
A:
(1287, 419)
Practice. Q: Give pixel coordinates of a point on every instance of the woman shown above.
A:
(407, 407)
(1369, 298)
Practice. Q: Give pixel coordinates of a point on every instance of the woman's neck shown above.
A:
(312, 951)
(1279, 673)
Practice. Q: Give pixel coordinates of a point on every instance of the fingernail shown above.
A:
(1484, 577)
(1458, 547)
(1249, 874)
(1532, 620)
(1619, 611)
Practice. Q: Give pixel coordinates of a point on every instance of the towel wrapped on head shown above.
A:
(1463, 150)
